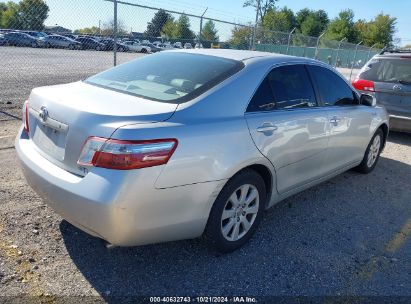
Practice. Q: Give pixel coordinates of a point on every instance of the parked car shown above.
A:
(2, 39)
(388, 77)
(35, 34)
(137, 47)
(153, 48)
(57, 41)
(198, 46)
(109, 45)
(178, 45)
(74, 37)
(20, 39)
(91, 44)
(170, 152)
(166, 46)
(188, 45)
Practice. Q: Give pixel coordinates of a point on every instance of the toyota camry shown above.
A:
(186, 143)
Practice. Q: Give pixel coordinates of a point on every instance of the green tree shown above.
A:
(311, 23)
(279, 20)
(183, 30)
(379, 31)
(343, 27)
(10, 17)
(265, 6)
(3, 8)
(241, 37)
(156, 24)
(209, 32)
(94, 30)
(169, 29)
(33, 13)
(108, 28)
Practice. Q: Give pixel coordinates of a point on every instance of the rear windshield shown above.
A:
(388, 70)
(171, 77)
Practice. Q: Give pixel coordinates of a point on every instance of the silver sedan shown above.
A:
(189, 142)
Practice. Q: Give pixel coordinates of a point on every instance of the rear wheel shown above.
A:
(372, 154)
(237, 211)
(144, 51)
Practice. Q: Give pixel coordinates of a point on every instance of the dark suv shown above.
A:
(388, 77)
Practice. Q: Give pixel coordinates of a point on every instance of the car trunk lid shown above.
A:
(62, 117)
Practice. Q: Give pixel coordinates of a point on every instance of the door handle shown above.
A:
(267, 127)
(335, 120)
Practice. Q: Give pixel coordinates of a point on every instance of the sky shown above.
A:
(75, 14)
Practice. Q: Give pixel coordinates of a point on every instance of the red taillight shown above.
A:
(26, 116)
(126, 155)
(364, 85)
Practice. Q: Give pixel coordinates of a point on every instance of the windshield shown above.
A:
(388, 70)
(172, 77)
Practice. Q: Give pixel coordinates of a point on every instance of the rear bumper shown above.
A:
(400, 123)
(122, 207)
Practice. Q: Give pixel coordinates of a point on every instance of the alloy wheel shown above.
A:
(240, 212)
(374, 151)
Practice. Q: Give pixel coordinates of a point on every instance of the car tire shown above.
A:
(71, 47)
(226, 228)
(120, 49)
(33, 44)
(143, 51)
(372, 154)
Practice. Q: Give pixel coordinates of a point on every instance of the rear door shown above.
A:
(289, 127)
(348, 121)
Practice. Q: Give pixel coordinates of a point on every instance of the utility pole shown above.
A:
(99, 27)
(115, 33)
(257, 12)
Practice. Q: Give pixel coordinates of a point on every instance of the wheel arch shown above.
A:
(266, 174)
(385, 131)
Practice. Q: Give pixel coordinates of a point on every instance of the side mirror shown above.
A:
(368, 100)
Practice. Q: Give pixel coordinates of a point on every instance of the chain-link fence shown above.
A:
(57, 41)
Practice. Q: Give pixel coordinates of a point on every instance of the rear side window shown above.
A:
(284, 88)
(387, 70)
(334, 91)
(172, 77)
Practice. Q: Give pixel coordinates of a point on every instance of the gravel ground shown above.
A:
(348, 236)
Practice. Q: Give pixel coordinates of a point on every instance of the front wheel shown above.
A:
(372, 154)
(237, 211)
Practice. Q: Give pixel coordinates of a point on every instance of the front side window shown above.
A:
(171, 77)
(284, 88)
(334, 91)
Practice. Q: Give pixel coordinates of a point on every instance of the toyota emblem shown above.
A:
(43, 113)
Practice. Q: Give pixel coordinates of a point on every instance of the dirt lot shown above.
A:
(347, 236)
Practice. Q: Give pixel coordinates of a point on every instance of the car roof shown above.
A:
(243, 55)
